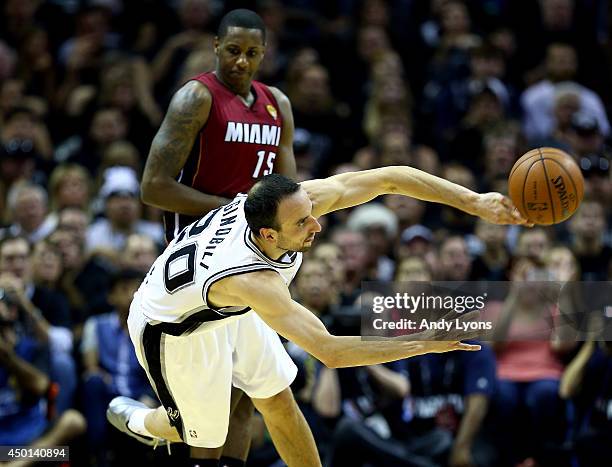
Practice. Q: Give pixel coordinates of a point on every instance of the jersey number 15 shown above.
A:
(269, 159)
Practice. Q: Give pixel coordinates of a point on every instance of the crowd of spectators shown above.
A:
(457, 88)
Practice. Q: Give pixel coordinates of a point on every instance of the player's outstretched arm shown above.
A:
(266, 293)
(187, 113)
(353, 188)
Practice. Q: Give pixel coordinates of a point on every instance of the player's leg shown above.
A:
(236, 448)
(130, 416)
(155, 423)
(290, 433)
(196, 404)
(264, 371)
(238, 441)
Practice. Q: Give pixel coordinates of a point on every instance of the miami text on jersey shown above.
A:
(255, 133)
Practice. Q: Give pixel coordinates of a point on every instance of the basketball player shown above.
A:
(242, 130)
(234, 265)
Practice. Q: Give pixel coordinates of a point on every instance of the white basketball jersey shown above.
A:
(175, 291)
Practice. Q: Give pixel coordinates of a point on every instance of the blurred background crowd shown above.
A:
(457, 88)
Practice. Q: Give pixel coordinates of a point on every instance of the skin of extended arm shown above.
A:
(266, 293)
(350, 189)
(187, 114)
(285, 159)
(353, 188)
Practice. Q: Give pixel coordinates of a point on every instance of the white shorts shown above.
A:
(193, 374)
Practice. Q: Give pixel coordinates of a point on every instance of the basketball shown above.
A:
(546, 185)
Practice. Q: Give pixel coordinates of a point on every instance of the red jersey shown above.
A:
(236, 146)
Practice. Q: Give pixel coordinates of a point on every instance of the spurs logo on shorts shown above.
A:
(173, 414)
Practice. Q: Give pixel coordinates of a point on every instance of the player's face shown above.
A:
(239, 55)
(298, 226)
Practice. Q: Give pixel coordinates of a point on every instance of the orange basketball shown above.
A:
(546, 185)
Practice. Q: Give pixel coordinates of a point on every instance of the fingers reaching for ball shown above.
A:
(516, 215)
(498, 209)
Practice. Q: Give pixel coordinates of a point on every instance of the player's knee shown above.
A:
(282, 403)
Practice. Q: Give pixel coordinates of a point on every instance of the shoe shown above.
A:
(118, 414)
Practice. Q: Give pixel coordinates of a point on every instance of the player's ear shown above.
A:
(216, 42)
(268, 234)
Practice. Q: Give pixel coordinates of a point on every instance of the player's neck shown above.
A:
(270, 251)
(244, 92)
(248, 101)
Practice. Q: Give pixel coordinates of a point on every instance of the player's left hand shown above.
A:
(498, 209)
(448, 346)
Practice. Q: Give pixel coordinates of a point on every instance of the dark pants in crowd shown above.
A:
(63, 372)
(356, 444)
(594, 449)
(96, 396)
(529, 419)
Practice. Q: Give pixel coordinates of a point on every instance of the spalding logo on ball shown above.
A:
(546, 185)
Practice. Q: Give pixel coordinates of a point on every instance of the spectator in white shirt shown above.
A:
(120, 193)
(538, 100)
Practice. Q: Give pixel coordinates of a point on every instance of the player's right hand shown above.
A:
(498, 209)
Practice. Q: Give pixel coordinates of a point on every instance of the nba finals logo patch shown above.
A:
(271, 110)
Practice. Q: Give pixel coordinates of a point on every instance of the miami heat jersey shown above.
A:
(175, 292)
(237, 145)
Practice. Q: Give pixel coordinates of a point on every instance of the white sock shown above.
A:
(136, 423)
